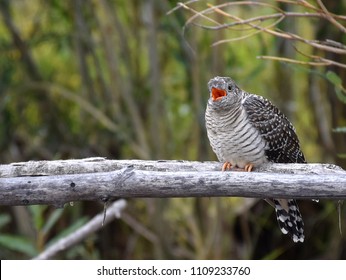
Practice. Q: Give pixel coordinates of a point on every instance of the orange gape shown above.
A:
(217, 94)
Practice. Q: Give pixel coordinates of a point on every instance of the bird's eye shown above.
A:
(229, 87)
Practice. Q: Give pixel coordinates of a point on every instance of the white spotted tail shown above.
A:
(289, 218)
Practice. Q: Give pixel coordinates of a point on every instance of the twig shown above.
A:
(95, 224)
(340, 202)
(319, 11)
(295, 61)
(140, 228)
(330, 17)
(323, 61)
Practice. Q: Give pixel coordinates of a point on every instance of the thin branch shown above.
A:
(114, 211)
(340, 202)
(195, 16)
(140, 228)
(255, 23)
(264, 18)
(330, 17)
(180, 5)
(212, 9)
(323, 61)
(240, 20)
(295, 61)
(286, 35)
(267, 29)
(332, 62)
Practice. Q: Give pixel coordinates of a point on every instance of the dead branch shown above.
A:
(59, 182)
(256, 25)
(114, 211)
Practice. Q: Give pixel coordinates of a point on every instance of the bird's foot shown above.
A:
(248, 167)
(226, 166)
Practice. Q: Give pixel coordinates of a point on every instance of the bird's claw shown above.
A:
(248, 167)
(226, 166)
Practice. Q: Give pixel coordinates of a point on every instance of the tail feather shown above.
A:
(289, 218)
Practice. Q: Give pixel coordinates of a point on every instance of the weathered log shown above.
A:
(100, 164)
(58, 182)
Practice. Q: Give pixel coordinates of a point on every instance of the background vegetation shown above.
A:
(120, 79)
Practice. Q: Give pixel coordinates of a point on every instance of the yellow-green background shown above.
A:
(120, 79)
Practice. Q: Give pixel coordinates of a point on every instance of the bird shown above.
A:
(246, 130)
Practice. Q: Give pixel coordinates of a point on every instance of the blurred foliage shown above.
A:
(119, 79)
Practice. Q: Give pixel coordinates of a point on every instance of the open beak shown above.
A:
(217, 94)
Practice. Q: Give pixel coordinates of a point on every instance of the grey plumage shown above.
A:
(247, 130)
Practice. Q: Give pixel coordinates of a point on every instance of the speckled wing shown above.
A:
(278, 132)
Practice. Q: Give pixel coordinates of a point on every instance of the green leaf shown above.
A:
(4, 219)
(274, 254)
(17, 243)
(53, 218)
(76, 225)
(337, 82)
(333, 78)
(37, 212)
(341, 155)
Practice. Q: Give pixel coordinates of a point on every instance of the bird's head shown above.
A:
(223, 92)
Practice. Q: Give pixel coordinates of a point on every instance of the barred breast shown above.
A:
(233, 138)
